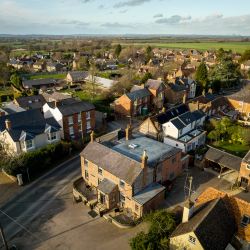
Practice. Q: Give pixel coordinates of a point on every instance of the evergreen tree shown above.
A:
(118, 50)
(201, 75)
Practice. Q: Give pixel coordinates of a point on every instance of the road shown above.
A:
(34, 200)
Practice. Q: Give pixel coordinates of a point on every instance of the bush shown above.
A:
(39, 160)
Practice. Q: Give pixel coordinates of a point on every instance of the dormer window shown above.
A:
(245, 221)
(26, 145)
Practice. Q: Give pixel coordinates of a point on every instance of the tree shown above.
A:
(162, 224)
(118, 50)
(201, 75)
(148, 53)
(146, 76)
(16, 81)
(245, 56)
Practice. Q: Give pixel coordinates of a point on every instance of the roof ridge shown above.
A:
(225, 152)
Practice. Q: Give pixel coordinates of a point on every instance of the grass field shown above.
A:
(235, 149)
(46, 76)
(234, 46)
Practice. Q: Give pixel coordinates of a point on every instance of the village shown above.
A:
(132, 132)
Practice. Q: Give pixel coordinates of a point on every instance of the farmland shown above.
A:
(239, 47)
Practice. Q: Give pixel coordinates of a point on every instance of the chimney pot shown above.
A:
(128, 131)
(144, 159)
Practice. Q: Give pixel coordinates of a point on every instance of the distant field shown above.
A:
(45, 76)
(234, 46)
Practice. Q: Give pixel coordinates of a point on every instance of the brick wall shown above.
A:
(123, 105)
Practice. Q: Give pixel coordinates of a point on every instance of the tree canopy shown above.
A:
(201, 75)
(118, 50)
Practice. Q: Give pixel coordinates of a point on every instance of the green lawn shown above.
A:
(45, 76)
(236, 149)
(234, 46)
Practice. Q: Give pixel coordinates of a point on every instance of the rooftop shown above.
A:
(148, 193)
(156, 151)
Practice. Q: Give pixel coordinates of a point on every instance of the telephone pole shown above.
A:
(3, 238)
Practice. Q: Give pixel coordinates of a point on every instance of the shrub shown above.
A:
(39, 160)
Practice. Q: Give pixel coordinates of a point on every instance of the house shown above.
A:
(15, 64)
(184, 131)
(30, 102)
(152, 126)
(74, 77)
(76, 118)
(189, 83)
(175, 93)
(240, 101)
(133, 103)
(39, 83)
(53, 67)
(28, 130)
(39, 66)
(245, 66)
(244, 175)
(102, 82)
(130, 173)
(10, 108)
(214, 221)
(157, 89)
(53, 96)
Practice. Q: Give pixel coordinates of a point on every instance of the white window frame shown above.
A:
(71, 130)
(70, 119)
(88, 125)
(100, 171)
(122, 184)
(52, 136)
(27, 142)
(79, 117)
(88, 115)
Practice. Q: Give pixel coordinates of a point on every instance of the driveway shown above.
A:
(43, 216)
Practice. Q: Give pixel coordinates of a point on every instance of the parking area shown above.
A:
(73, 228)
(67, 225)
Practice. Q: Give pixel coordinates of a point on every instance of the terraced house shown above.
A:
(130, 172)
(76, 118)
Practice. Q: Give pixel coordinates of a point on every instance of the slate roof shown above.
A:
(140, 93)
(106, 186)
(178, 123)
(212, 224)
(31, 102)
(177, 87)
(78, 75)
(112, 161)
(153, 84)
(28, 123)
(11, 108)
(156, 151)
(38, 82)
(223, 158)
(72, 106)
(148, 193)
(171, 113)
(243, 95)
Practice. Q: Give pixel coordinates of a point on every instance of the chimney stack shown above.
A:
(92, 136)
(184, 98)
(188, 208)
(163, 110)
(128, 131)
(144, 159)
(8, 124)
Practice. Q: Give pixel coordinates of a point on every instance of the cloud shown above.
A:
(130, 3)
(72, 22)
(123, 11)
(116, 25)
(158, 15)
(175, 19)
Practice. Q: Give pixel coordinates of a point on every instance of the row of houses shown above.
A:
(40, 122)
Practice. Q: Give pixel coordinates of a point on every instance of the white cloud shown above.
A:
(130, 3)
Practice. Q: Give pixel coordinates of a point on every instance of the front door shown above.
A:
(102, 198)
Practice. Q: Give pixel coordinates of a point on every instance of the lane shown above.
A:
(34, 201)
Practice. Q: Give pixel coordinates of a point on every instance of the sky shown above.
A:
(66, 17)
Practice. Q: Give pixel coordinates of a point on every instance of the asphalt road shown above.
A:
(30, 204)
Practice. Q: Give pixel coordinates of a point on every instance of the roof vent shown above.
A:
(133, 146)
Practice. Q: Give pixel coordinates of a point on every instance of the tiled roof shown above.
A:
(110, 160)
(247, 157)
(223, 158)
(78, 75)
(30, 122)
(237, 206)
(31, 102)
(106, 186)
(212, 224)
(153, 84)
(148, 193)
(72, 106)
(137, 94)
(38, 82)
